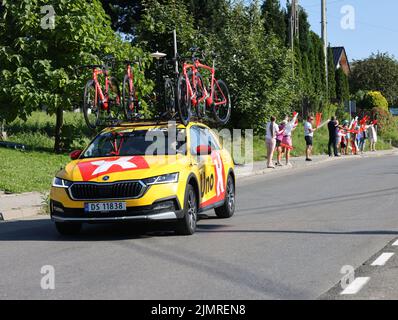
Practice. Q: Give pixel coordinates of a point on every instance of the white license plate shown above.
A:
(105, 206)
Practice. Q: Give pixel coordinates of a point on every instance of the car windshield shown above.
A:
(137, 142)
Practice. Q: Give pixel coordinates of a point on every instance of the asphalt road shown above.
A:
(291, 235)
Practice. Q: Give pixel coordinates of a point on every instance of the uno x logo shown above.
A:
(92, 169)
(219, 167)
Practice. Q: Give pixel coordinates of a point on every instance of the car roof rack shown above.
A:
(160, 120)
(142, 121)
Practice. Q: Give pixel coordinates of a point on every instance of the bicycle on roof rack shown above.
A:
(194, 93)
(101, 105)
(130, 101)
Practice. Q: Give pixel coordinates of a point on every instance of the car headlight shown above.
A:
(165, 178)
(61, 183)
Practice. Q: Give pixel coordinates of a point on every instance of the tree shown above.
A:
(374, 99)
(160, 18)
(257, 69)
(342, 86)
(209, 15)
(379, 72)
(331, 76)
(125, 15)
(274, 19)
(304, 31)
(38, 62)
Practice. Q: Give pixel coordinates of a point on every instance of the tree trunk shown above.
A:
(3, 133)
(58, 130)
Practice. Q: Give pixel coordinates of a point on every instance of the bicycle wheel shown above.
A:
(91, 105)
(221, 102)
(128, 98)
(183, 101)
(115, 101)
(169, 97)
(200, 91)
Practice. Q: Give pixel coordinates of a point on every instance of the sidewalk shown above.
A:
(260, 167)
(17, 206)
(20, 205)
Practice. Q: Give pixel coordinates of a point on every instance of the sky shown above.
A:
(375, 25)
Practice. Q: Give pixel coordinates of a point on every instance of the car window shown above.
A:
(213, 141)
(202, 136)
(137, 142)
(195, 138)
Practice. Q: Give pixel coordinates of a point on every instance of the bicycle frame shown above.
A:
(98, 90)
(191, 93)
(130, 75)
(209, 98)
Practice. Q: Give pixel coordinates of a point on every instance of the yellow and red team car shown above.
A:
(145, 171)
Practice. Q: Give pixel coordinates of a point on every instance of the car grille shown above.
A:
(102, 191)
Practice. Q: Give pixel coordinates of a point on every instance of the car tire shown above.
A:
(68, 229)
(228, 208)
(187, 225)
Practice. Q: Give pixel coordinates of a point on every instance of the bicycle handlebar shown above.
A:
(134, 61)
(91, 66)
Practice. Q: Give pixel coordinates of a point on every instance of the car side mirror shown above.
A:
(75, 154)
(203, 150)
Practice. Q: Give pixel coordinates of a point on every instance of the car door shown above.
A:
(206, 152)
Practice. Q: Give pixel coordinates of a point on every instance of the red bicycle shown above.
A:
(129, 94)
(100, 106)
(192, 91)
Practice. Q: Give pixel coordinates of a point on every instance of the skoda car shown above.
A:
(145, 172)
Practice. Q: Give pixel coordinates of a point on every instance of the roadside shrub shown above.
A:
(374, 99)
(387, 125)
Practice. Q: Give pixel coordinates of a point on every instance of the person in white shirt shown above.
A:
(272, 130)
(287, 142)
(308, 135)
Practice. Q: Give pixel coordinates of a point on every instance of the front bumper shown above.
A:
(163, 210)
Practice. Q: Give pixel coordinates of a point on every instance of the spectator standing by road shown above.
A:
(271, 132)
(287, 142)
(344, 136)
(372, 136)
(279, 138)
(308, 135)
(354, 140)
(333, 127)
(362, 140)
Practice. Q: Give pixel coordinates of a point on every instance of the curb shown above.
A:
(20, 213)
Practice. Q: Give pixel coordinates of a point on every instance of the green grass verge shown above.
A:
(37, 132)
(28, 171)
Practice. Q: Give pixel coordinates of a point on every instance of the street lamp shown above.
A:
(158, 55)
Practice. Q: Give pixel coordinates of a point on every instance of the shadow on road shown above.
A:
(44, 230)
(218, 229)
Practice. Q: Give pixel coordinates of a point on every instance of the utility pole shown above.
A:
(175, 51)
(325, 40)
(294, 22)
(294, 26)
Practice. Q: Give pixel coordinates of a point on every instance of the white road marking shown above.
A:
(382, 259)
(356, 285)
(395, 243)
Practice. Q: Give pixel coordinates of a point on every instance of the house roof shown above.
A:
(338, 53)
